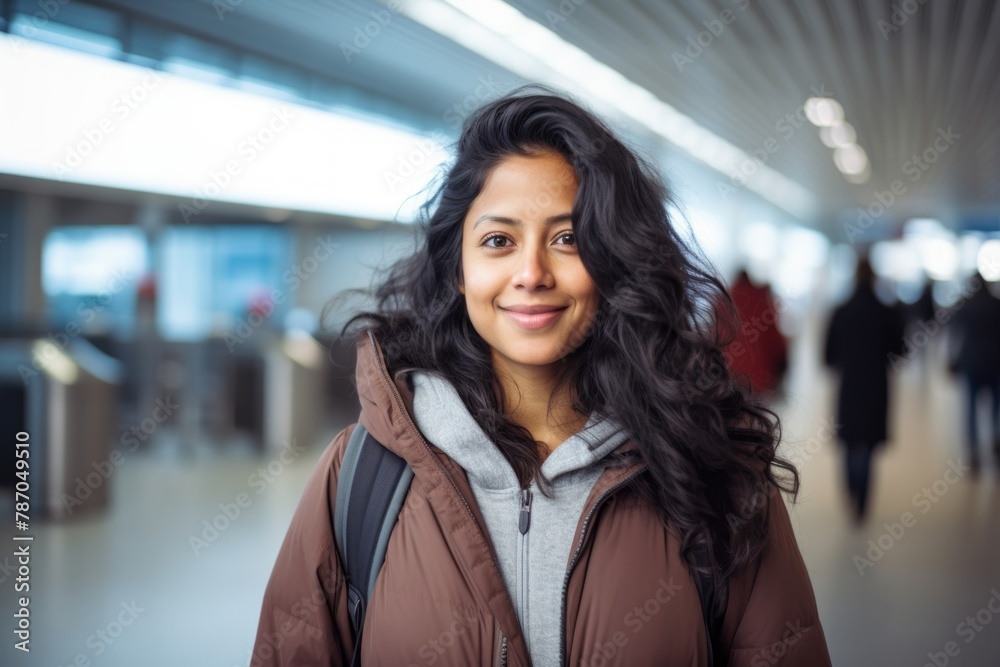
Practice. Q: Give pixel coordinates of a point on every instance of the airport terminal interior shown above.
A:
(189, 190)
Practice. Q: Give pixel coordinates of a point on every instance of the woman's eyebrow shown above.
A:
(551, 220)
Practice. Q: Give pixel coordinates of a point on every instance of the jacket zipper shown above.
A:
(523, 523)
(501, 657)
(576, 555)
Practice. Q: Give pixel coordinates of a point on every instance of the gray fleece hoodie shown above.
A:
(532, 534)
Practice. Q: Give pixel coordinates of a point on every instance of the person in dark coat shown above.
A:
(862, 336)
(976, 332)
(919, 316)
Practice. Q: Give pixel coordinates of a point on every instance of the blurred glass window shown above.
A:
(90, 275)
(212, 275)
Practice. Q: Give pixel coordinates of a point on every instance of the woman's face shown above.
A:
(519, 253)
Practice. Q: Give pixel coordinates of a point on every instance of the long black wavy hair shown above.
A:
(652, 358)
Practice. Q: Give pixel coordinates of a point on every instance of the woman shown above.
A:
(547, 365)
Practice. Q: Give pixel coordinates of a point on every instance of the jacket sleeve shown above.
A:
(304, 618)
(777, 623)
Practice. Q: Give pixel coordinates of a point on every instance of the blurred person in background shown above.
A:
(758, 354)
(545, 353)
(975, 336)
(920, 314)
(861, 336)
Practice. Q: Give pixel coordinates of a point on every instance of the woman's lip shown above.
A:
(534, 320)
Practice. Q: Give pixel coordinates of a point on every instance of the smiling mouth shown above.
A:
(535, 320)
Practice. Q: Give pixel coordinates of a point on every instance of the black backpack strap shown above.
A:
(371, 488)
(709, 594)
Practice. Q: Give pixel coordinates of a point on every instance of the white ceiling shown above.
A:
(898, 88)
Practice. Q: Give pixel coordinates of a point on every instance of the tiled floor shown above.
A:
(136, 563)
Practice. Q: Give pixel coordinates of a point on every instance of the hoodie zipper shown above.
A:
(576, 555)
(523, 523)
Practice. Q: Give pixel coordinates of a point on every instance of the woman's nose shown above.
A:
(533, 269)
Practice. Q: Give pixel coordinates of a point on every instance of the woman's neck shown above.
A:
(527, 394)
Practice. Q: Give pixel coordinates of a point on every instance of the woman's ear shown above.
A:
(461, 282)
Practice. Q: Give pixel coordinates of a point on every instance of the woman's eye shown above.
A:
(496, 237)
(504, 242)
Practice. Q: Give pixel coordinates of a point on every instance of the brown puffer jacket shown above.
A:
(440, 598)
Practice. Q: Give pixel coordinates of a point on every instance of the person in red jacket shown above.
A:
(759, 351)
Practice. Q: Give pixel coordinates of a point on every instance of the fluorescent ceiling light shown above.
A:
(500, 33)
(839, 135)
(87, 119)
(850, 159)
(824, 111)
